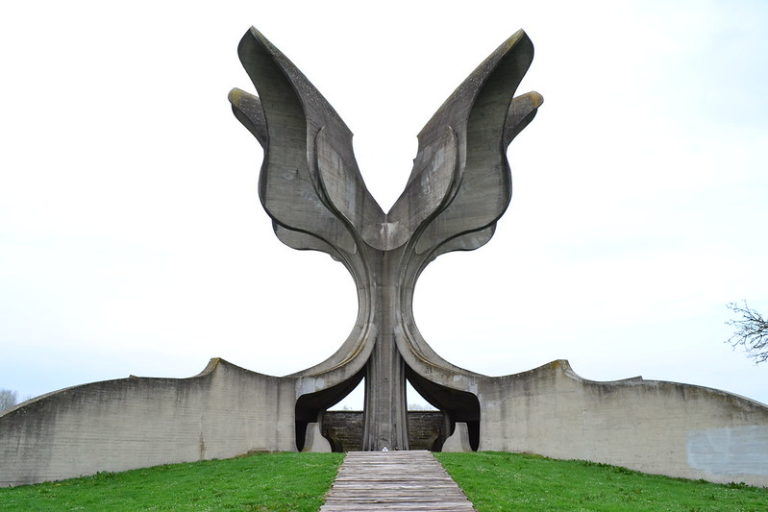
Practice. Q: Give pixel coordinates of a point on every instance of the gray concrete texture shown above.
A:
(311, 187)
(138, 422)
(651, 426)
(427, 430)
(313, 191)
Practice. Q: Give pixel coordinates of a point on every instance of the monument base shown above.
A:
(427, 430)
(652, 426)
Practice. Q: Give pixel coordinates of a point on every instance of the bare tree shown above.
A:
(751, 332)
(7, 399)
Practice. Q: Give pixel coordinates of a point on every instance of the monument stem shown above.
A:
(385, 421)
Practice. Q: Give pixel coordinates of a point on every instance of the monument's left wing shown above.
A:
(310, 184)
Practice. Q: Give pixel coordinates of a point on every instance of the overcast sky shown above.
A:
(132, 240)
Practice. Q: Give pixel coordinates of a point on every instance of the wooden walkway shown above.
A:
(394, 481)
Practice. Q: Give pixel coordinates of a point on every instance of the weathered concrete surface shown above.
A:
(315, 442)
(652, 426)
(311, 187)
(343, 429)
(138, 422)
(427, 430)
(459, 440)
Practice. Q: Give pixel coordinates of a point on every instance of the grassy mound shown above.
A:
(522, 483)
(279, 482)
(282, 482)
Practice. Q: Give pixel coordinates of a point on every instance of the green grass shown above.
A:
(521, 483)
(278, 482)
(282, 482)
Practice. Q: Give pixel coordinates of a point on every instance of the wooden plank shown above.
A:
(397, 481)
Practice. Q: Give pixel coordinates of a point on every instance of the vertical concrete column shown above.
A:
(385, 420)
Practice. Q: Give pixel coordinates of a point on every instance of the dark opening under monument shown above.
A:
(314, 193)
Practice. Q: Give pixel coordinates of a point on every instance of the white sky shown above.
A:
(132, 240)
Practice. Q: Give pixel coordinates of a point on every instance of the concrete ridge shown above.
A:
(214, 364)
(563, 367)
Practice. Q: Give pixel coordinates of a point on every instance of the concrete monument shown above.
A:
(313, 191)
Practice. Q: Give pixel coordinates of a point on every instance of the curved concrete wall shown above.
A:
(656, 427)
(652, 426)
(138, 422)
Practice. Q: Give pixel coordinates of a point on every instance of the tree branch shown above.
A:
(751, 332)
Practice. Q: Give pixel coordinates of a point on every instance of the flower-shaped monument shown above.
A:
(312, 189)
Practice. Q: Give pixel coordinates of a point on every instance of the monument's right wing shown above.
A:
(483, 117)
